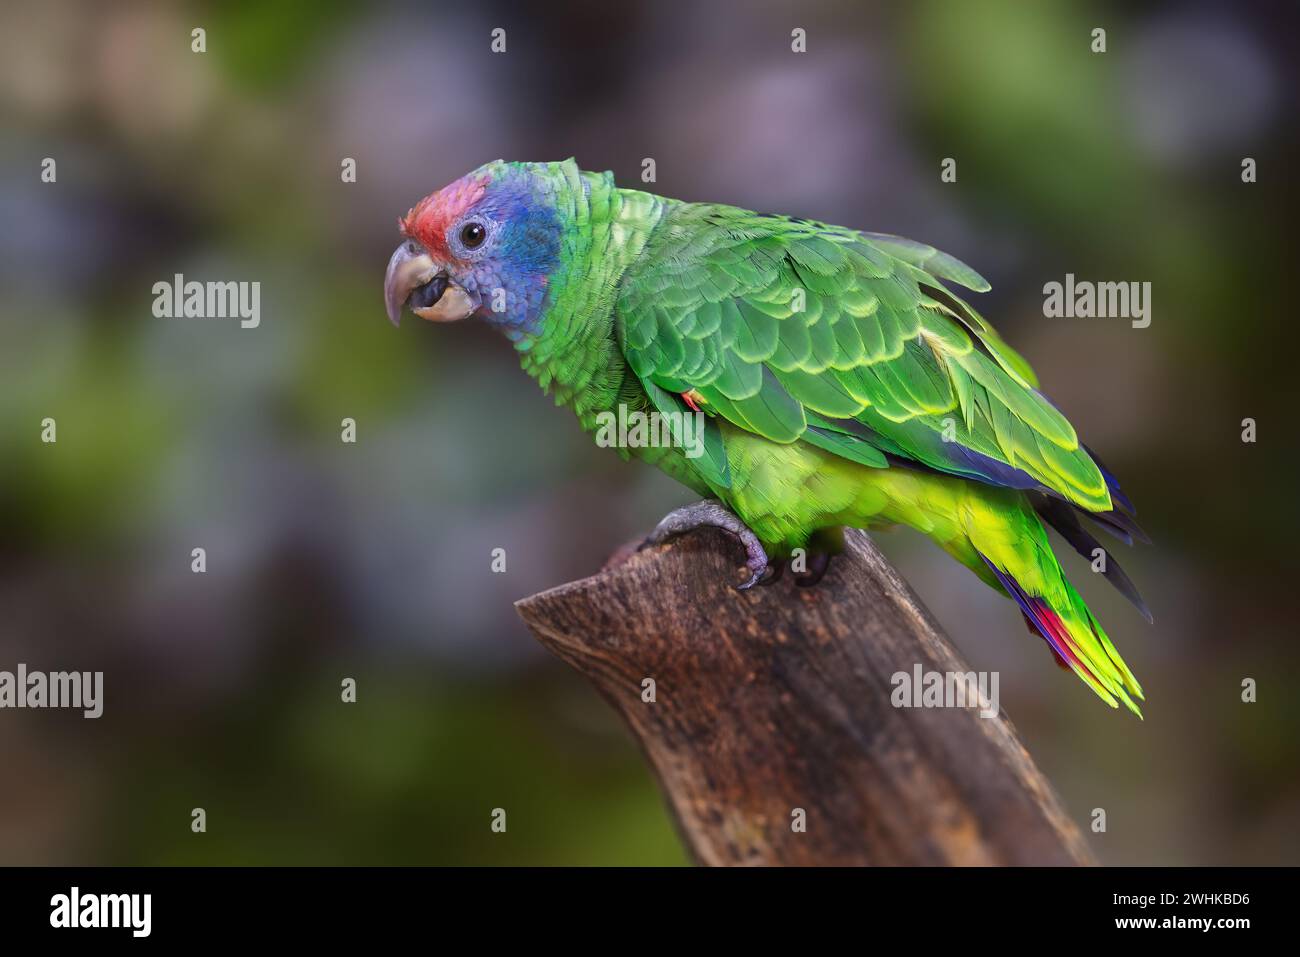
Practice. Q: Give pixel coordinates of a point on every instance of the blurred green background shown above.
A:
(371, 561)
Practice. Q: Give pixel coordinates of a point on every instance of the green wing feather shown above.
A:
(849, 341)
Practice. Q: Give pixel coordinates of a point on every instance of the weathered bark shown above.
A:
(778, 699)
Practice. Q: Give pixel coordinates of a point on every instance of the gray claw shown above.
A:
(773, 574)
(712, 514)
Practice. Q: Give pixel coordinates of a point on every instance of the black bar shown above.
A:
(335, 905)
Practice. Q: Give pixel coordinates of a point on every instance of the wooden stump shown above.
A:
(777, 700)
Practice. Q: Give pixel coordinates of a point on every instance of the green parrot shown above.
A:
(837, 379)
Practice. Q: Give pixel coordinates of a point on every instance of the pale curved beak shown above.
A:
(409, 268)
(414, 280)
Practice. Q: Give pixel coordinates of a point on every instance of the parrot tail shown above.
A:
(1025, 567)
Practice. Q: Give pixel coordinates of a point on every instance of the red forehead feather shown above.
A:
(428, 220)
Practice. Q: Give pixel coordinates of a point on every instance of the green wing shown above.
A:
(799, 331)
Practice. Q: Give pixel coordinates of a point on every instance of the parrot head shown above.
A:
(485, 245)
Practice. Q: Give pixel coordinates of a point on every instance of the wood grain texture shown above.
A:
(779, 698)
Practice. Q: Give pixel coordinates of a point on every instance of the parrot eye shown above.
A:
(472, 235)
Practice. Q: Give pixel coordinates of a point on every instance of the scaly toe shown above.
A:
(757, 572)
(712, 513)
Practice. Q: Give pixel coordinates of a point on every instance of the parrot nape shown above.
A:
(842, 382)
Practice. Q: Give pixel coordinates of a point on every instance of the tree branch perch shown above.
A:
(778, 699)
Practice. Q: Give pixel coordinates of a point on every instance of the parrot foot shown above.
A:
(823, 545)
(818, 563)
(712, 514)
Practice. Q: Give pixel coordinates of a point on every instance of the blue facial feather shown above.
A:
(523, 250)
